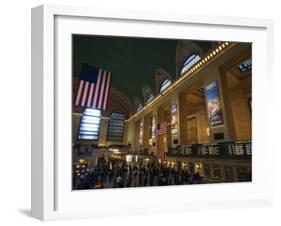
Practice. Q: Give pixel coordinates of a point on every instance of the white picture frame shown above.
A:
(52, 197)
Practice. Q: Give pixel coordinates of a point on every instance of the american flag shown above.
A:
(162, 128)
(93, 88)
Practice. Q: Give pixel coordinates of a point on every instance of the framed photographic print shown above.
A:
(135, 112)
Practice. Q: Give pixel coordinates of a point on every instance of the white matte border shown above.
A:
(62, 202)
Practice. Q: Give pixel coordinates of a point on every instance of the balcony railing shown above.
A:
(233, 150)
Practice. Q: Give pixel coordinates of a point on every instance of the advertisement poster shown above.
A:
(214, 105)
(141, 133)
(153, 127)
(174, 124)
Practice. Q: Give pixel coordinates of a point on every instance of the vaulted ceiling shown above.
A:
(132, 61)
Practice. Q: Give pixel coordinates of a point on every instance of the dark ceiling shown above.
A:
(132, 61)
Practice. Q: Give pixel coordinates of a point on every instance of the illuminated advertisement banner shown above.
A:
(153, 127)
(214, 105)
(141, 133)
(174, 123)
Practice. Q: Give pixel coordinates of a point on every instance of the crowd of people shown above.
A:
(120, 174)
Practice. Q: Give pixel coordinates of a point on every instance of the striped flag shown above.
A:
(93, 88)
(162, 128)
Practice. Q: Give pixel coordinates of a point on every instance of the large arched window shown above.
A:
(149, 98)
(90, 124)
(147, 94)
(139, 106)
(189, 62)
(165, 85)
(137, 103)
(116, 126)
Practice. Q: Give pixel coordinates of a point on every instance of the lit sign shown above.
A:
(193, 59)
(141, 133)
(153, 127)
(214, 105)
(174, 125)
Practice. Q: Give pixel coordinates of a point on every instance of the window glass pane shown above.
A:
(150, 97)
(245, 66)
(90, 124)
(138, 106)
(189, 62)
(116, 127)
(165, 85)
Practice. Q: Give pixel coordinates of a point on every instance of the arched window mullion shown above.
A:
(189, 61)
(139, 107)
(165, 84)
(149, 97)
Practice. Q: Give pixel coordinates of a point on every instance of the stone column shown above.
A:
(187, 167)
(182, 118)
(222, 172)
(136, 134)
(212, 171)
(146, 130)
(202, 169)
(235, 174)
